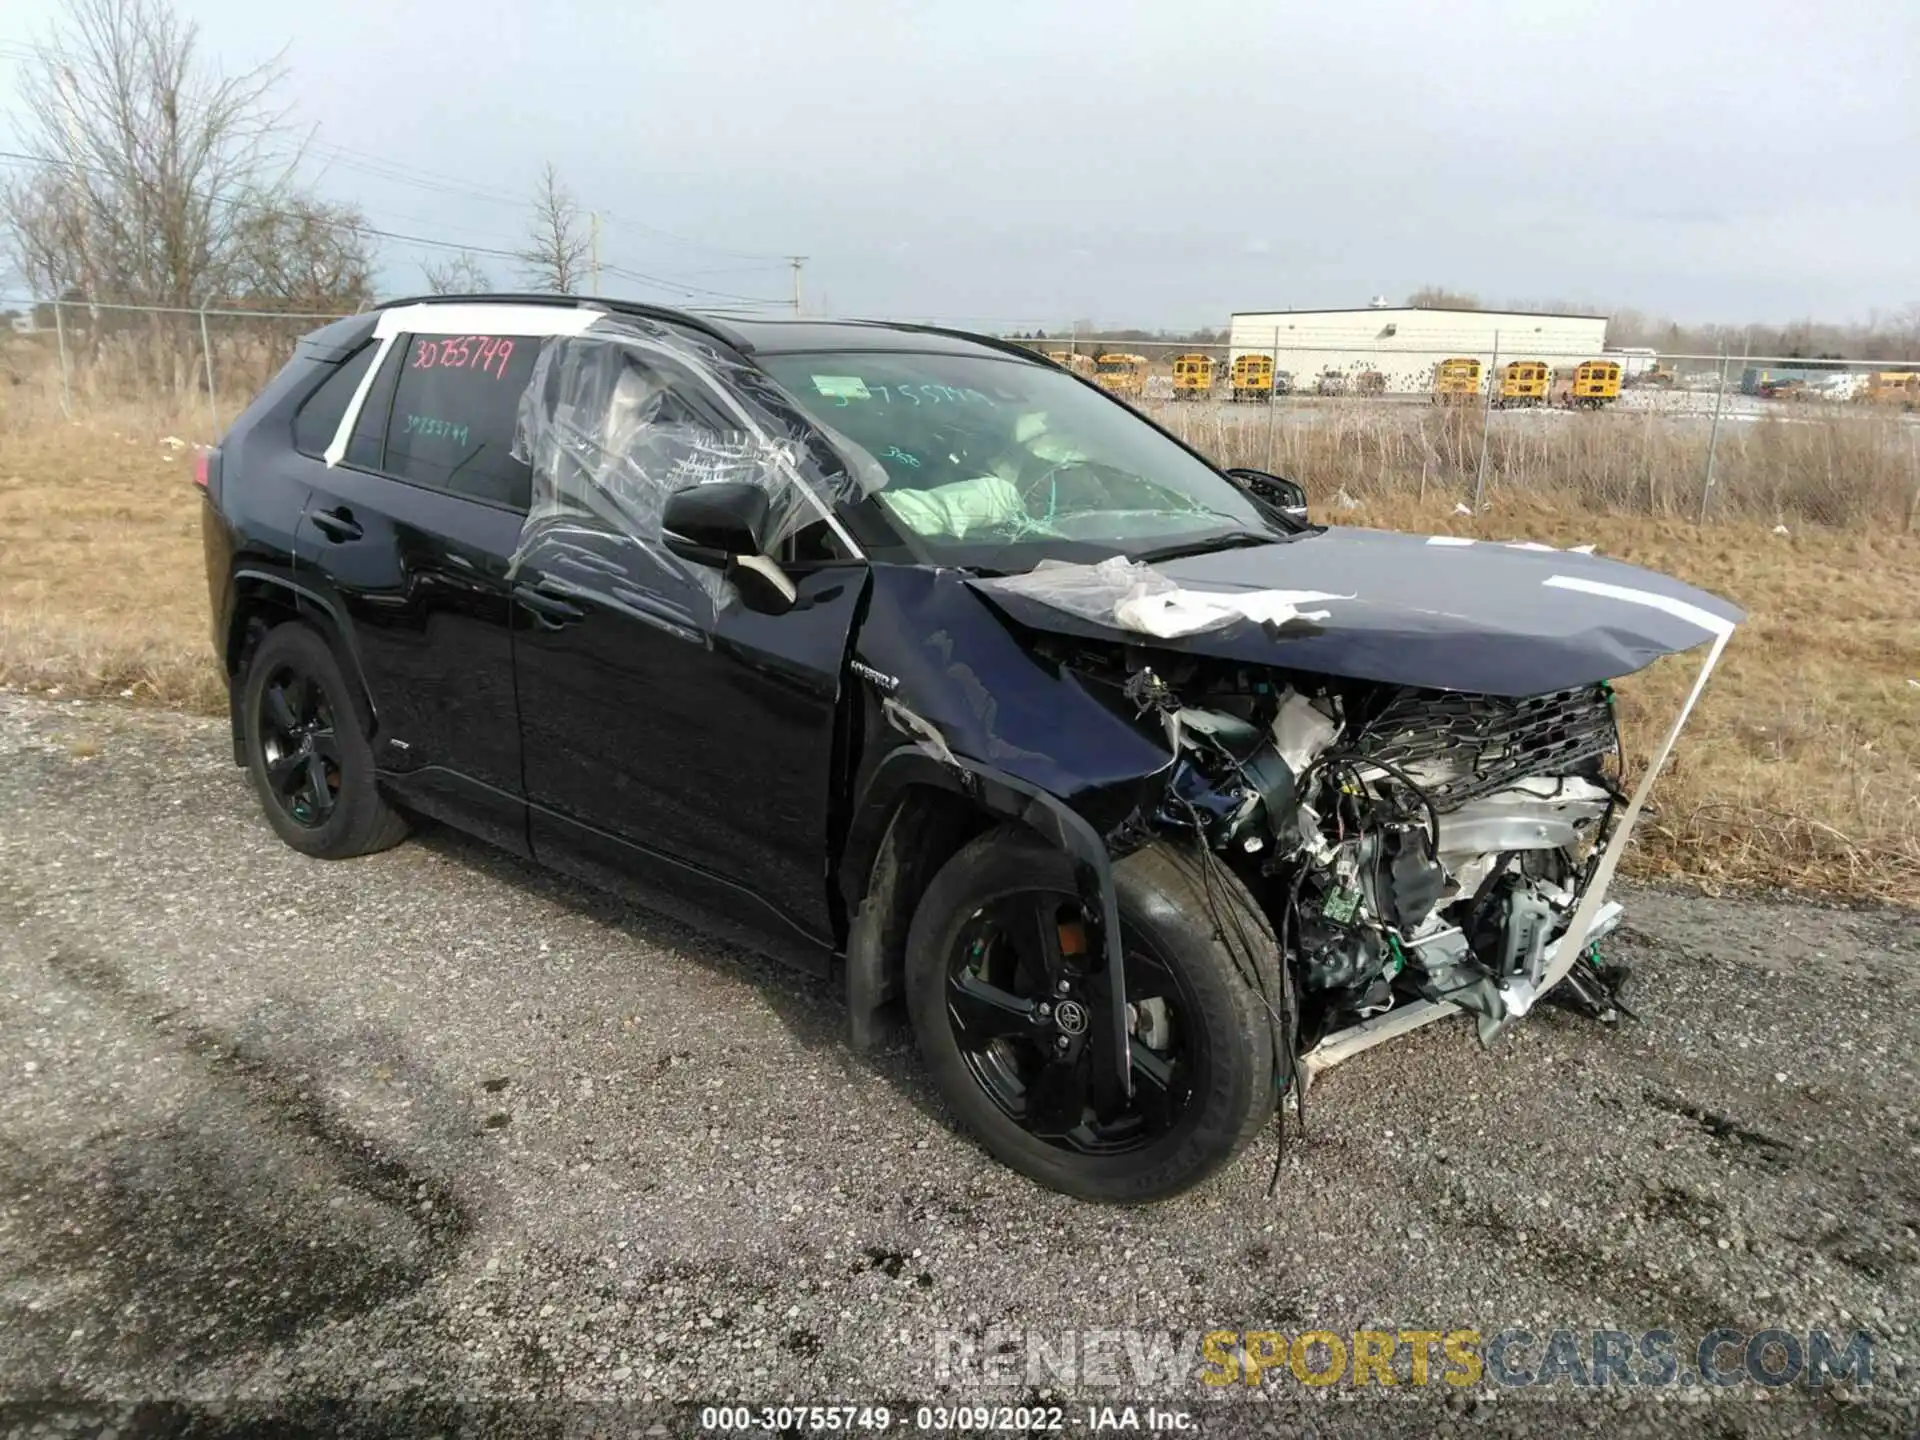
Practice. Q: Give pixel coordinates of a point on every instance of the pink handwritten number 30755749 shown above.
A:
(486, 353)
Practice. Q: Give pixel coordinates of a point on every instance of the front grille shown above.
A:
(1456, 747)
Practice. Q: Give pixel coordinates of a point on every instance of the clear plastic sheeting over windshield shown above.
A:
(615, 420)
(998, 463)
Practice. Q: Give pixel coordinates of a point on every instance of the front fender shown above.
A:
(934, 646)
(953, 700)
(908, 766)
(940, 676)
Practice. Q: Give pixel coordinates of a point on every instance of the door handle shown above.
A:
(337, 524)
(550, 607)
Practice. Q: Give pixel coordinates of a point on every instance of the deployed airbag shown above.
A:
(954, 509)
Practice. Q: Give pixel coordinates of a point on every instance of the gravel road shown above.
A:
(436, 1126)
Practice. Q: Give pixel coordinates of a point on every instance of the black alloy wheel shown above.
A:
(1007, 988)
(299, 744)
(1030, 1013)
(307, 749)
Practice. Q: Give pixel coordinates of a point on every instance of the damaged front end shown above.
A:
(1419, 851)
(1408, 845)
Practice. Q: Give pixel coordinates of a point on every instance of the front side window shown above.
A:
(614, 431)
(619, 420)
(998, 464)
(454, 406)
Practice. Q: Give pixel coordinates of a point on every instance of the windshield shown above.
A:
(999, 464)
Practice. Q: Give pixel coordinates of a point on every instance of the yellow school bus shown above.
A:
(1893, 387)
(1523, 382)
(1596, 383)
(1252, 377)
(1192, 377)
(1121, 374)
(1456, 381)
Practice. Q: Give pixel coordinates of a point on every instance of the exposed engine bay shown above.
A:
(1407, 845)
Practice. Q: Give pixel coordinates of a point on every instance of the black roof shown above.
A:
(759, 334)
(792, 336)
(338, 339)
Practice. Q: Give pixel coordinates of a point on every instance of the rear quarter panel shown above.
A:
(249, 523)
(251, 514)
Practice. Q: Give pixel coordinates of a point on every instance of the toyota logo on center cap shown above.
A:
(1071, 1016)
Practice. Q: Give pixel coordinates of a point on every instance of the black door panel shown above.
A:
(336, 524)
(420, 578)
(661, 882)
(702, 744)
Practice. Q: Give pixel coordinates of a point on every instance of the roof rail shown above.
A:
(664, 313)
(992, 342)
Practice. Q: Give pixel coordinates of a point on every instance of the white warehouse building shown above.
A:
(1404, 344)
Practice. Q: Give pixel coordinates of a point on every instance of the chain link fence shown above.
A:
(1783, 440)
(88, 355)
(1830, 441)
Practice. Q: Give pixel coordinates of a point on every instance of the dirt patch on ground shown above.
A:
(435, 1140)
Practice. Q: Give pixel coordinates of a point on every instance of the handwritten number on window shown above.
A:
(488, 354)
(927, 394)
(430, 426)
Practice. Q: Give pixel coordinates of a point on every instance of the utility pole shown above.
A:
(593, 248)
(1719, 404)
(796, 261)
(1486, 422)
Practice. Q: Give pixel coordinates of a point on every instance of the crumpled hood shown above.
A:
(1490, 617)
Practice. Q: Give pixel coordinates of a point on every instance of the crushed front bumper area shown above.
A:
(1404, 1019)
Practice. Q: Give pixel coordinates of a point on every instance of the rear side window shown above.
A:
(450, 426)
(366, 446)
(319, 415)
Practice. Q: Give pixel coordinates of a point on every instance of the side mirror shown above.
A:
(709, 524)
(1289, 497)
(724, 525)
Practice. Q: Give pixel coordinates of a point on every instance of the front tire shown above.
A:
(999, 941)
(311, 765)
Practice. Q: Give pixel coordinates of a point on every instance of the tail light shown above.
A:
(206, 469)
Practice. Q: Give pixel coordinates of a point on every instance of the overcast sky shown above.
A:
(1158, 164)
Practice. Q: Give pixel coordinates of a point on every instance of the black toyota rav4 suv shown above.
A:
(917, 661)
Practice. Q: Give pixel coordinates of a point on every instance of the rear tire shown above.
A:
(311, 765)
(1225, 1037)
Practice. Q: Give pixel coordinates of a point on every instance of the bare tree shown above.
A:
(47, 233)
(458, 274)
(1438, 297)
(1904, 331)
(152, 161)
(555, 256)
(305, 255)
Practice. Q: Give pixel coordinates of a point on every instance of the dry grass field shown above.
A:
(1801, 767)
